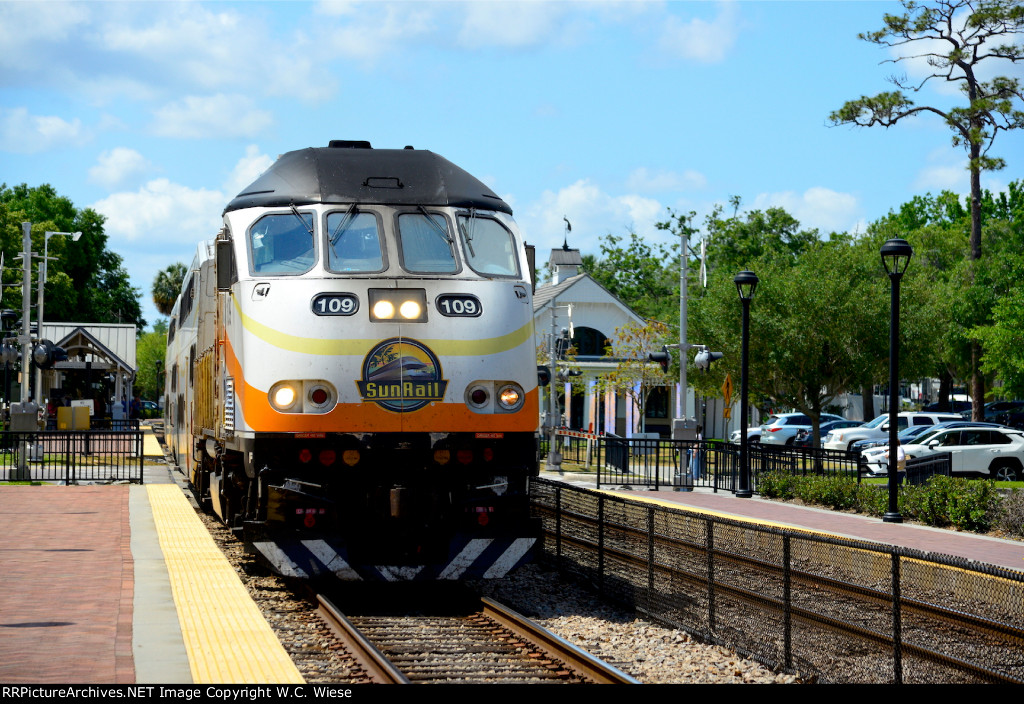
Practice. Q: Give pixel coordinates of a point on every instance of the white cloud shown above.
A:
(376, 29)
(697, 39)
(942, 177)
(646, 181)
(510, 24)
(23, 133)
(199, 117)
(247, 170)
(27, 27)
(161, 214)
(117, 166)
(817, 207)
(593, 214)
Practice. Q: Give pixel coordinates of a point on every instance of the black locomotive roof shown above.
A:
(348, 172)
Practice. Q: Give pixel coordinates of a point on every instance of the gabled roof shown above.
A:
(562, 291)
(80, 341)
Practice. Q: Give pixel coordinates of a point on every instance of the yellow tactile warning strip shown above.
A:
(150, 445)
(227, 639)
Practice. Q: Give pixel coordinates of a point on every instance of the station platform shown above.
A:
(941, 541)
(122, 584)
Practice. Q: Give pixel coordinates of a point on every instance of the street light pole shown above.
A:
(896, 254)
(746, 284)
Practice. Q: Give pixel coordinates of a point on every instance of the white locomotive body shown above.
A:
(352, 379)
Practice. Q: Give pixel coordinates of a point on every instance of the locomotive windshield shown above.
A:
(425, 245)
(282, 243)
(353, 242)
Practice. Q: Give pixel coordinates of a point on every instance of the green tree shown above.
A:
(86, 282)
(633, 375)
(149, 355)
(167, 286)
(1003, 332)
(956, 38)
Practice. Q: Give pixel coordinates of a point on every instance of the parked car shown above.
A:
(805, 438)
(954, 407)
(995, 410)
(753, 435)
(904, 436)
(879, 428)
(781, 428)
(980, 450)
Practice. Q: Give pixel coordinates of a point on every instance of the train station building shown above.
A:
(100, 367)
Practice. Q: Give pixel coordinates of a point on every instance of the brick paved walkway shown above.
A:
(67, 582)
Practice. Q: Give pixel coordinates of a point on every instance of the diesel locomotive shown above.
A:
(351, 376)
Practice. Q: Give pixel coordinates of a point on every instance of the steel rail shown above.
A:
(377, 667)
(573, 657)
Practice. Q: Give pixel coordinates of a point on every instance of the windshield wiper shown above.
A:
(442, 232)
(468, 234)
(342, 227)
(295, 212)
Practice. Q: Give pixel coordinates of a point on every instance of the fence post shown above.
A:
(897, 621)
(558, 528)
(140, 453)
(650, 559)
(600, 545)
(787, 600)
(711, 575)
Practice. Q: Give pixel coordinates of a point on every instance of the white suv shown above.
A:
(781, 428)
(995, 453)
(879, 428)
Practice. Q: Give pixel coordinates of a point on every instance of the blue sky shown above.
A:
(608, 113)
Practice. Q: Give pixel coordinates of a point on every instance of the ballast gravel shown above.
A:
(651, 653)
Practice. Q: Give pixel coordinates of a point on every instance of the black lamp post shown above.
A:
(746, 284)
(896, 254)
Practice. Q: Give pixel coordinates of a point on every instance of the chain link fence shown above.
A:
(832, 610)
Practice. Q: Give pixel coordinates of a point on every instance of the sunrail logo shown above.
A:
(401, 375)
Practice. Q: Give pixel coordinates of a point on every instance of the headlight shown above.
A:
(284, 395)
(510, 397)
(410, 310)
(306, 396)
(406, 304)
(384, 310)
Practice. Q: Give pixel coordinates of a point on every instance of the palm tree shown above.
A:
(167, 286)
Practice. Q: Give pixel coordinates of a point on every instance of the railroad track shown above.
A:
(492, 644)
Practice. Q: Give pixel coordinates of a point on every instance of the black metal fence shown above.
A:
(832, 610)
(71, 456)
(660, 464)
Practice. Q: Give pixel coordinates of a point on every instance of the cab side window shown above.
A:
(490, 248)
(282, 244)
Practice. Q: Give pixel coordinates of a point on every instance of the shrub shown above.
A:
(1010, 516)
(776, 485)
(973, 505)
